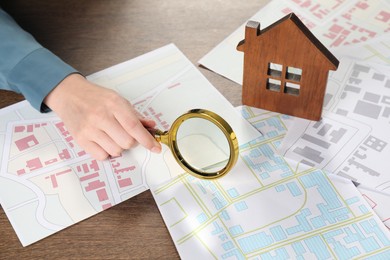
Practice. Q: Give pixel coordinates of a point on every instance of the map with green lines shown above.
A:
(270, 208)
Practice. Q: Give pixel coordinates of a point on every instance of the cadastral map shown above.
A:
(274, 209)
(47, 182)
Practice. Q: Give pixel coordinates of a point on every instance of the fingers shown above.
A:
(101, 146)
(95, 150)
(110, 136)
(148, 123)
(108, 144)
(136, 128)
(118, 134)
(121, 131)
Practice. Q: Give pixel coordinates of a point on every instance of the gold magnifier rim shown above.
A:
(170, 139)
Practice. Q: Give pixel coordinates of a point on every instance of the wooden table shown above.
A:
(95, 34)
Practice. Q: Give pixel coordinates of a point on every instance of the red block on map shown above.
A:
(34, 164)
(125, 182)
(26, 142)
(19, 129)
(383, 16)
(106, 206)
(65, 154)
(94, 185)
(102, 194)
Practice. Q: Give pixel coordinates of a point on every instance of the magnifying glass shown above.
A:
(202, 143)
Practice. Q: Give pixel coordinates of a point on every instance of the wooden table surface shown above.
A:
(92, 35)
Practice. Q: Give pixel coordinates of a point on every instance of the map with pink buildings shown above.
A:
(47, 182)
(50, 181)
(46, 145)
(336, 23)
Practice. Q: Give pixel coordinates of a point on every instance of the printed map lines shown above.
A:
(181, 208)
(35, 148)
(309, 235)
(198, 199)
(22, 204)
(152, 95)
(111, 78)
(143, 170)
(323, 220)
(217, 216)
(113, 186)
(213, 216)
(39, 199)
(257, 145)
(235, 242)
(376, 53)
(335, 12)
(205, 245)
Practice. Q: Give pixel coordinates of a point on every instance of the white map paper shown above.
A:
(359, 30)
(376, 50)
(352, 138)
(270, 123)
(335, 23)
(271, 209)
(47, 182)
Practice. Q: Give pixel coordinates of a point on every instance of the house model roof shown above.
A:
(298, 23)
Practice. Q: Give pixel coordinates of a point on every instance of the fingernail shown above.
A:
(156, 149)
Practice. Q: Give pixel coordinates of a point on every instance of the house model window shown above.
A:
(290, 80)
(285, 68)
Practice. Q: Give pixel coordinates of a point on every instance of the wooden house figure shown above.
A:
(285, 68)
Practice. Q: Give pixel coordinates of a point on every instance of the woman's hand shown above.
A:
(102, 122)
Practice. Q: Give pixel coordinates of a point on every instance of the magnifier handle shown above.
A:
(160, 136)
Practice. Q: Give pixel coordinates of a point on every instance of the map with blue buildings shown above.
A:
(270, 208)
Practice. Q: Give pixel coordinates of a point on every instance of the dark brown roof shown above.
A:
(306, 32)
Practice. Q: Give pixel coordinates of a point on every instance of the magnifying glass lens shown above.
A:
(203, 145)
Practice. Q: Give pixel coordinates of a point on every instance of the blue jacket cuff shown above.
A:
(38, 74)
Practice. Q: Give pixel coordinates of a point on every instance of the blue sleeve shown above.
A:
(25, 66)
